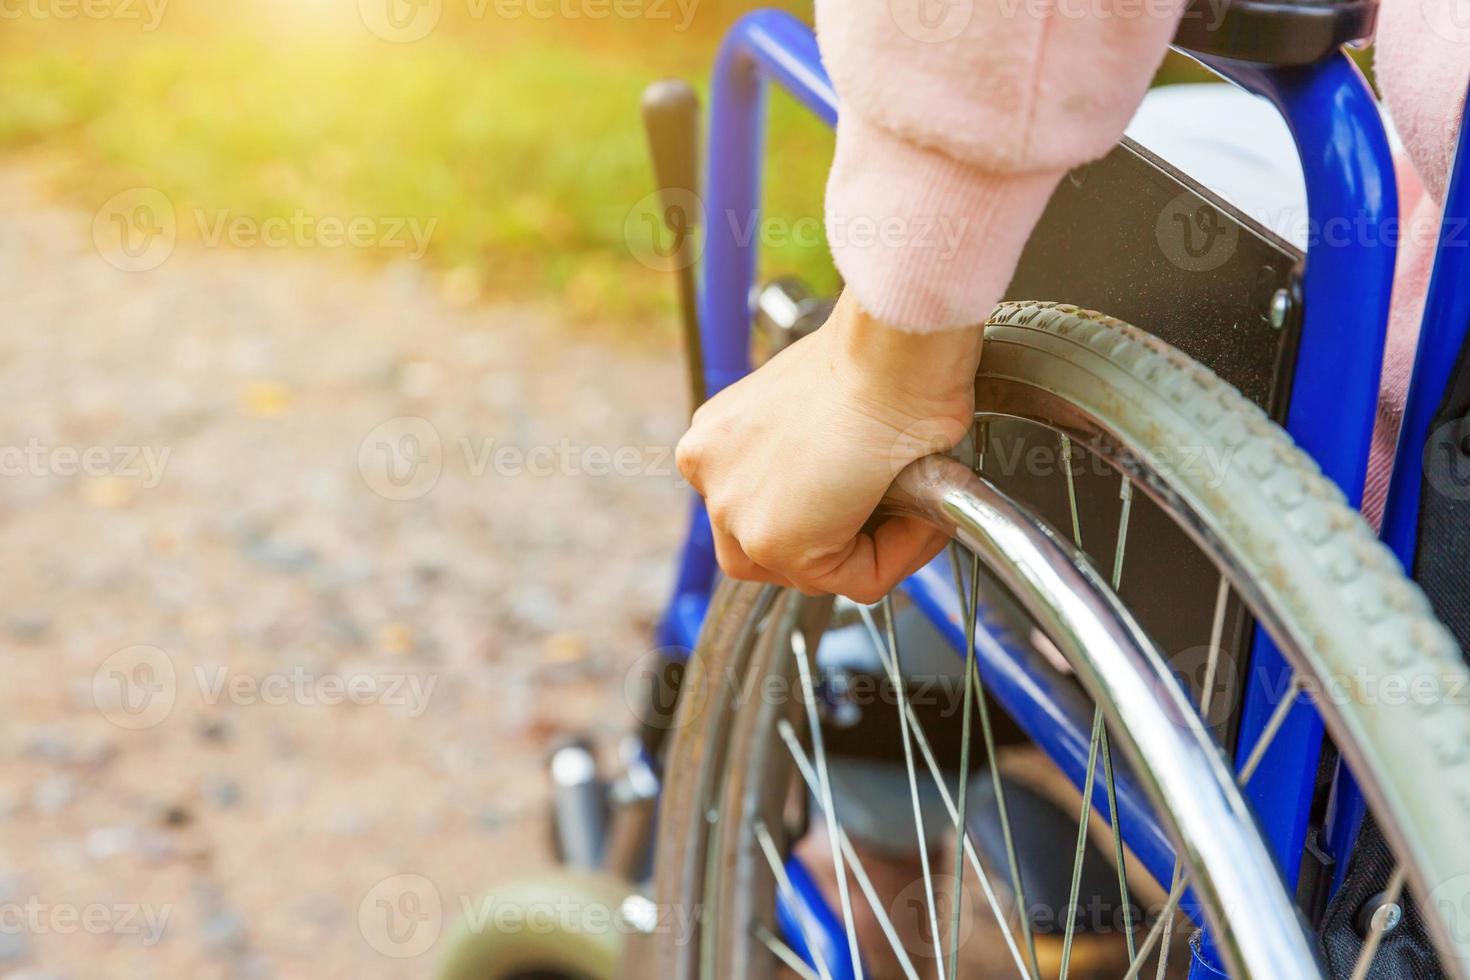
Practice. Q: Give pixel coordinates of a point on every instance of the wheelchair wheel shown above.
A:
(559, 926)
(755, 777)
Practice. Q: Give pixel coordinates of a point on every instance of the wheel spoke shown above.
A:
(1159, 927)
(1378, 927)
(1206, 700)
(1125, 493)
(970, 609)
(961, 794)
(922, 741)
(814, 723)
(1268, 735)
(1217, 638)
(798, 754)
(1071, 490)
(783, 882)
(785, 954)
(975, 694)
(1081, 850)
(896, 677)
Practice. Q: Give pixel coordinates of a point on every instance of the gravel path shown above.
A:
(303, 567)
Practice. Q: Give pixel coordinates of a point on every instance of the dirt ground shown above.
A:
(304, 566)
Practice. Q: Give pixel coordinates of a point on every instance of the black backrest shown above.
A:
(1274, 32)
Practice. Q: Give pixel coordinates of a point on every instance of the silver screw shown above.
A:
(1280, 308)
(1387, 917)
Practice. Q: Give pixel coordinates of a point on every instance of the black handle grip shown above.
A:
(671, 116)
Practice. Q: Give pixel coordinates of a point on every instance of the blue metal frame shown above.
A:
(1345, 157)
(1348, 166)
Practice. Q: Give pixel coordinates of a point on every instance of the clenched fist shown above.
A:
(794, 459)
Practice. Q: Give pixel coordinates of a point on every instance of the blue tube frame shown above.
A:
(1347, 280)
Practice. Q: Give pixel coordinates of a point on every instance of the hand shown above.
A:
(794, 459)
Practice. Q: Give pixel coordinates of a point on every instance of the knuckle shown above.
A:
(766, 549)
(687, 454)
(719, 512)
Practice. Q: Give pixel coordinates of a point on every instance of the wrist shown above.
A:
(937, 367)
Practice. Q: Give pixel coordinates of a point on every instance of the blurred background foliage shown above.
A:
(518, 135)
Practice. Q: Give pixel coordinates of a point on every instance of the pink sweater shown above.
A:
(959, 117)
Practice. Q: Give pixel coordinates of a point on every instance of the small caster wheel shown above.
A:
(559, 926)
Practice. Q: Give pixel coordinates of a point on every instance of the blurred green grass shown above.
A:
(523, 144)
(520, 139)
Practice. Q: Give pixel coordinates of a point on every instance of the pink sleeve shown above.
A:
(959, 117)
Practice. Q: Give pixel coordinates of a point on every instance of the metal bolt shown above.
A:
(1280, 308)
(640, 913)
(1377, 912)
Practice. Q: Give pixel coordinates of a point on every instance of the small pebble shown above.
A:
(54, 793)
(108, 842)
(223, 793)
(15, 947)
